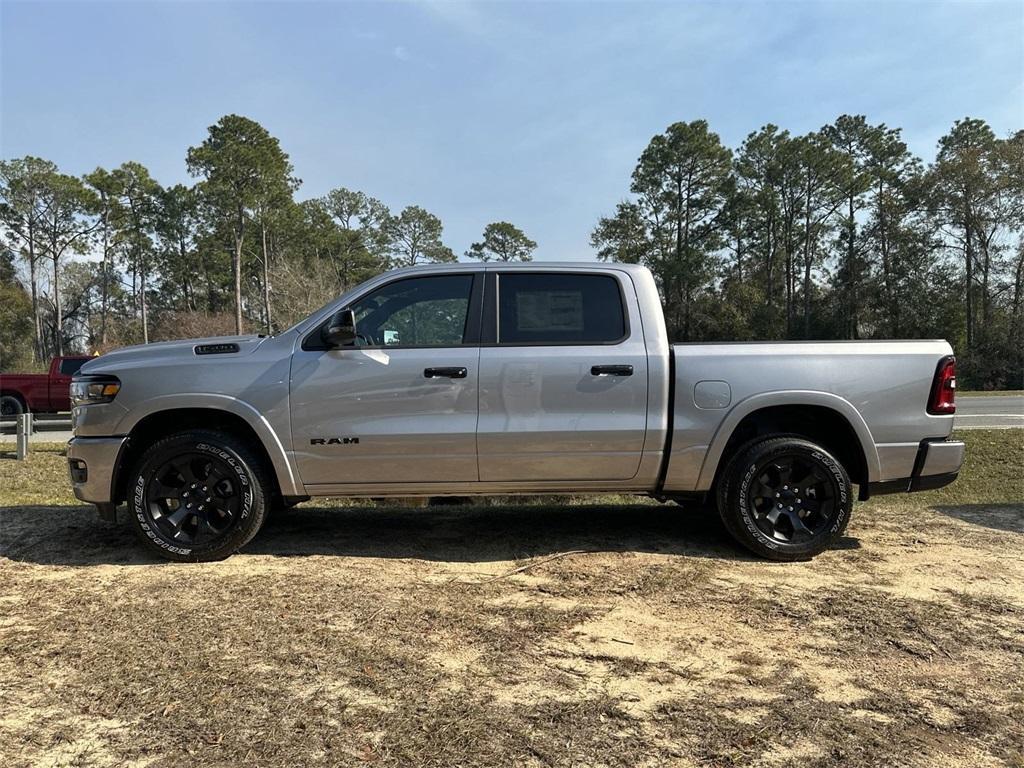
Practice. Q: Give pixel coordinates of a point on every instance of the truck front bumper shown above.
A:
(92, 463)
(938, 464)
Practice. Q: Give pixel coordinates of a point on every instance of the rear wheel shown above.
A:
(11, 407)
(198, 496)
(785, 498)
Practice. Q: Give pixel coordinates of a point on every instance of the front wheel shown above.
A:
(198, 496)
(785, 498)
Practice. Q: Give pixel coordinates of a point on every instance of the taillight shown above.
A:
(942, 400)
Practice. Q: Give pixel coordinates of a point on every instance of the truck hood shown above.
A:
(182, 348)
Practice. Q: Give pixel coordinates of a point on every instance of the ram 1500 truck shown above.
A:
(507, 379)
(39, 392)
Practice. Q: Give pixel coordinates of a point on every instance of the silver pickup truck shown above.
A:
(507, 379)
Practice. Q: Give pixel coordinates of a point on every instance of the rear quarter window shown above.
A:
(551, 308)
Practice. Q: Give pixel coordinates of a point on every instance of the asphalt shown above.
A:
(980, 412)
(988, 411)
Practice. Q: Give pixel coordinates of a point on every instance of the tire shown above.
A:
(769, 506)
(11, 407)
(198, 496)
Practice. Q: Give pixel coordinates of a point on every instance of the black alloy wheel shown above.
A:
(792, 499)
(194, 498)
(785, 498)
(199, 495)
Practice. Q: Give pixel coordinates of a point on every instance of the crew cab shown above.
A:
(507, 379)
(39, 392)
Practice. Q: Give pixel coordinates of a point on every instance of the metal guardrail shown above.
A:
(26, 424)
(24, 430)
(47, 421)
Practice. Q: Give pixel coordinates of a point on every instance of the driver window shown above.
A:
(416, 312)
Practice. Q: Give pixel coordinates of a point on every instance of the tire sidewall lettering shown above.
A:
(745, 516)
(138, 498)
(743, 497)
(240, 472)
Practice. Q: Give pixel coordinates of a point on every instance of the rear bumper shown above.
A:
(92, 464)
(938, 464)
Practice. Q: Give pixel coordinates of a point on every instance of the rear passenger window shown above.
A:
(70, 367)
(553, 308)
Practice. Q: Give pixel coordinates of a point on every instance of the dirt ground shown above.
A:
(615, 633)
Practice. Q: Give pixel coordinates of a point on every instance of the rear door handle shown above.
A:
(611, 370)
(450, 373)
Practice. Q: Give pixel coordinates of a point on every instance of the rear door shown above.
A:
(401, 406)
(563, 377)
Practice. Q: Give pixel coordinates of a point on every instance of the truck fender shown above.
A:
(788, 397)
(286, 475)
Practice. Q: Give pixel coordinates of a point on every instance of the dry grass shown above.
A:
(354, 635)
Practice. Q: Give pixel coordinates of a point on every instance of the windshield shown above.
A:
(347, 292)
(316, 312)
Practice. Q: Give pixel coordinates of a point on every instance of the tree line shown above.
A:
(232, 253)
(838, 234)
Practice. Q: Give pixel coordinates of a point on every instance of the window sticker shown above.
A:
(549, 310)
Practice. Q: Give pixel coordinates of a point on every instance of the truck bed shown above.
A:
(881, 388)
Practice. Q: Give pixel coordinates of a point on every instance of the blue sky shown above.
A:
(533, 113)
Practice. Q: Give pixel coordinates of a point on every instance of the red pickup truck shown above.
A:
(39, 392)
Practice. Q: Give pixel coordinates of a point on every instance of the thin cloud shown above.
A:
(401, 53)
(466, 17)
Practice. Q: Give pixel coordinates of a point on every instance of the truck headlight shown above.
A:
(86, 390)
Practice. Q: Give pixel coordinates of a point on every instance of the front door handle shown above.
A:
(449, 373)
(611, 370)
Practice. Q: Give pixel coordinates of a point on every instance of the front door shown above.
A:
(563, 383)
(401, 405)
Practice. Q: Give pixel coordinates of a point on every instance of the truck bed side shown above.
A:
(879, 389)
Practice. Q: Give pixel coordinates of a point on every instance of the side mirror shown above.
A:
(340, 330)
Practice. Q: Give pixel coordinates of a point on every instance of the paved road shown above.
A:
(51, 436)
(986, 411)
